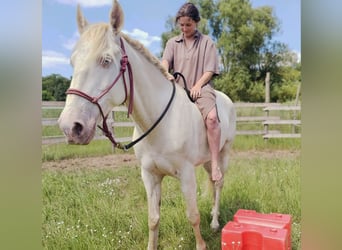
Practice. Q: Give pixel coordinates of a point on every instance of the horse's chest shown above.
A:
(161, 165)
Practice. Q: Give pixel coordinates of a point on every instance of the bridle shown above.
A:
(125, 64)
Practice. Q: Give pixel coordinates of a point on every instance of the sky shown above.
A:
(144, 20)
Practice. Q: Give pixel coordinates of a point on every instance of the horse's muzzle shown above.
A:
(77, 132)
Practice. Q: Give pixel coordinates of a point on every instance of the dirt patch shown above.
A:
(129, 159)
(268, 154)
(100, 162)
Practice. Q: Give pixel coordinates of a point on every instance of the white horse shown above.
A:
(176, 143)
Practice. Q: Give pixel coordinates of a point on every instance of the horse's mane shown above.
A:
(148, 55)
(102, 40)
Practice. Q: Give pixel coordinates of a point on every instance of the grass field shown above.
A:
(106, 208)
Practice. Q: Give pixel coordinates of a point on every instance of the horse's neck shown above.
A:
(152, 90)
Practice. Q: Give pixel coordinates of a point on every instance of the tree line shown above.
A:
(247, 51)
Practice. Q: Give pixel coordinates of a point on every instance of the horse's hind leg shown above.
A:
(217, 185)
(189, 187)
(152, 184)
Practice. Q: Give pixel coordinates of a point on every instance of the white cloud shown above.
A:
(69, 44)
(137, 34)
(86, 3)
(299, 56)
(143, 37)
(52, 59)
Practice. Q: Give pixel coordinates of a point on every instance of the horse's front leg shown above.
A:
(152, 184)
(189, 187)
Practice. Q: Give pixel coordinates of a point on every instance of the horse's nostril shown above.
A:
(77, 129)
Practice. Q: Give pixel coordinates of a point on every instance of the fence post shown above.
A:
(296, 103)
(266, 125)
(267, 98)
(267, 88)
(112, 116)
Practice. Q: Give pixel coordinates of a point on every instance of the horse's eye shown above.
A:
(106, 61)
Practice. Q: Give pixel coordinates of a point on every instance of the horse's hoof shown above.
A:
(215, 226)
(201, 247)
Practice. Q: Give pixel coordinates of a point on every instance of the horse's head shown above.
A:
(97, 84)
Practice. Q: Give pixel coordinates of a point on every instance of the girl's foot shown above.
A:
(216, 174)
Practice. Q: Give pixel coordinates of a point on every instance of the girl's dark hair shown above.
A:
(189, 10)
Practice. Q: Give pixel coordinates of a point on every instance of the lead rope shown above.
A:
(131, 144)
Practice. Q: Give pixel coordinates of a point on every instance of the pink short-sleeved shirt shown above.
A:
(193, 63)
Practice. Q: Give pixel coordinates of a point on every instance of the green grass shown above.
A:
(89, 210)
(107, 209)
(61, 151)
(55, 152)
(254, 142)
(51, 131)
(51, 113)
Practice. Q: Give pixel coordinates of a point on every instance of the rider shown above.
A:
(194, 55)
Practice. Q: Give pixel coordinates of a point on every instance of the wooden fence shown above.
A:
(266, 117)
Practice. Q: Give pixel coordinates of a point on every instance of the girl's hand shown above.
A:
(195, 91)
(170, 77)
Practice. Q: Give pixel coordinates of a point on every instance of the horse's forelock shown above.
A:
(100, 40)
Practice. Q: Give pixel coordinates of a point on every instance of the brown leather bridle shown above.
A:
(95, 100)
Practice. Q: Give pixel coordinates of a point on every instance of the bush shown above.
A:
(54, 87)
(47, 96)
(284, 92)
(234, 84)
(256, 92)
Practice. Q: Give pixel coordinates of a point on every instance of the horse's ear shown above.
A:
(116, 16)
(81, 21)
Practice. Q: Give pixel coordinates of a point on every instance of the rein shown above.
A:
(175, 75)
(124, 64)
(127, 146)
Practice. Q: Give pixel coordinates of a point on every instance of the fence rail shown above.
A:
(264, 120)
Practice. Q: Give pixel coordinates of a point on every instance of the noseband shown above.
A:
(95, 100)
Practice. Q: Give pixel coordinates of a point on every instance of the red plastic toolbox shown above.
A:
(269, 220)
(240, 236)
(273, 220)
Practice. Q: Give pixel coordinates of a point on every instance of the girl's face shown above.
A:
(187, 26)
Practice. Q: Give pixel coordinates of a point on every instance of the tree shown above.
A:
(244, 36)
(54, 87)
(172, 30)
